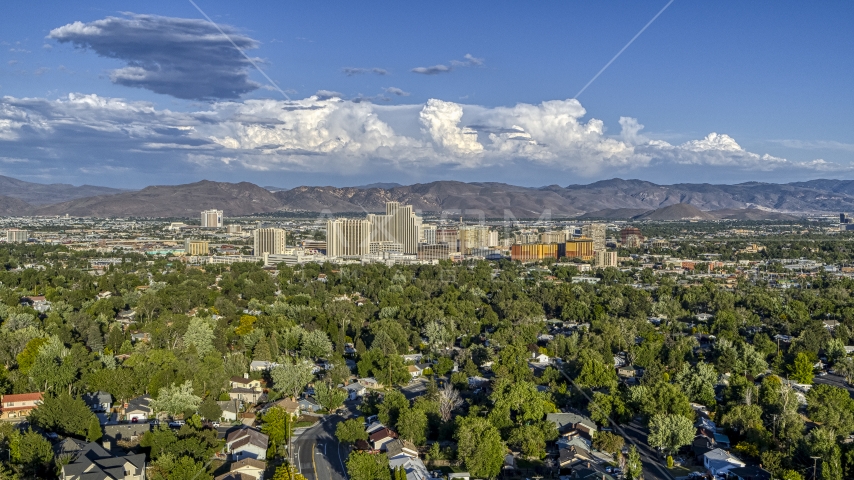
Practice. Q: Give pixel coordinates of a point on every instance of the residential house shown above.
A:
(247, 443)
(750, 473)
(590, 474)
(37, 302)
(402, 454)
(245, 389)
(477, 382)
(720, 462)
(67, 447)
(382, 436)
(627, 371)
(138, 409)
(355, 390)
(140, 337)
(309, 404)
(540, 358)
(575, 454)
(246, 469)
(374, 427)
(229, 410)
(98, 402)
(289, 405)
(261, 365)
(19, 405)
(370, 382)
(123, 432)
(415, 371)
(567, 423)
(412, 357)
(93, 462)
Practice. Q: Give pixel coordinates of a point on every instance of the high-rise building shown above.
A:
(493, 239)
(15, 235)
(533, 252)
(428, 234)
(436, 251)
(399, 224)
(233, 229)
(269, 241)
(526, 237)
(348, 238)
(581, 248)
(553, 237)
(377, 248)
(212, 219)
(473, 236)
(595, 232)
(196, 247)
(449, 236)
(605, 259)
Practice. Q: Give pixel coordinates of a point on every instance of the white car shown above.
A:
(176, 423)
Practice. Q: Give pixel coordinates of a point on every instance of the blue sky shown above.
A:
(121, 99)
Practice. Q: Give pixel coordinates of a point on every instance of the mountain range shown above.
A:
(607, 199)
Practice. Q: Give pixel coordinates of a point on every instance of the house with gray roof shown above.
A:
(98, 402)
(567, 422)
(247, 443)
(92, 462)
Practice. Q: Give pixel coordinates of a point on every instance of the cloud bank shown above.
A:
(184, 58)
(325, 134)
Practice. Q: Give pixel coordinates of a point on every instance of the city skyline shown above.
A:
(113, 95)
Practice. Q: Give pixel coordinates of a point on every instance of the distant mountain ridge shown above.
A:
(607, 199)
(43, 194)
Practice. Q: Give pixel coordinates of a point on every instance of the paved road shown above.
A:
(319, 455)
(652, 467)
(835, 380)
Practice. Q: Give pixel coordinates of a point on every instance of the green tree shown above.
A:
(200, 334)
(93, 432)
(329, 397)
(394, 403)
(480, 447)
(176, 467)
(608, 442)
(365, 466)
(350, 431)
(292, 378)
(823, 443)
(209, 409)
(634, 467)
(316, 344)
(287, 472)
(698, 383)
(670, 432)
(802, 370)
(278, 425)
(832, 407)
(63, 414)
(176, 399)
(412, 425)
(36, 453)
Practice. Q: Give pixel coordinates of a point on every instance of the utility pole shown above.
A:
(814, 466)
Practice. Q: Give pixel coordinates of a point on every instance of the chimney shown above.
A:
(246, 376)
(106, 444)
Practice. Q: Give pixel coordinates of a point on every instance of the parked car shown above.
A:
(176, 423)
(215, 424)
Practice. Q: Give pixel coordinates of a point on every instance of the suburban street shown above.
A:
(834, 380)
(319, 455)
(652, 467)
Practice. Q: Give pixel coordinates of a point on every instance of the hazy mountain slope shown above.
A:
(678, 211)
(43, 194)
(13, 207)
(173, 201)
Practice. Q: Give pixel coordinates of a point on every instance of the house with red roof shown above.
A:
(19, 405)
